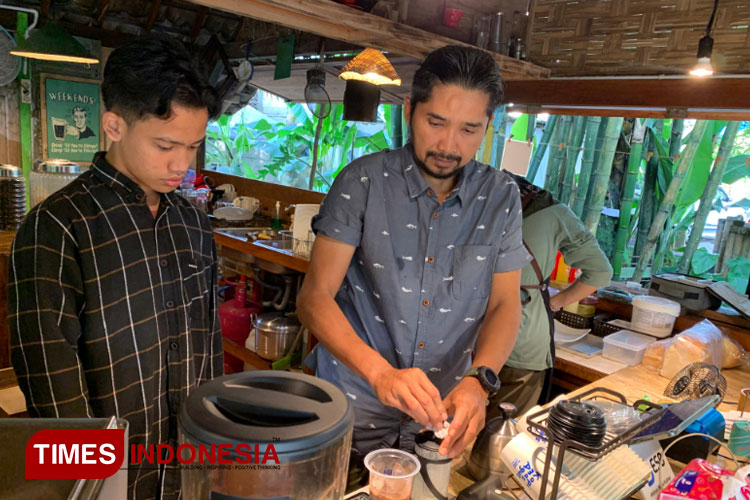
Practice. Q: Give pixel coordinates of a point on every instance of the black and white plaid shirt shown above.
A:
(113, 311)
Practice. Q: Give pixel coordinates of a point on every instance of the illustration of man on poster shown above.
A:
(80, 129)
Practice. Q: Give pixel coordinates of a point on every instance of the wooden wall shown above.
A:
(10, 145)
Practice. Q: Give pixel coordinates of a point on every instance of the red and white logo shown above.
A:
(75, 453)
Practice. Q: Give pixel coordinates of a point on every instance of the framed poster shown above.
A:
(71, 118)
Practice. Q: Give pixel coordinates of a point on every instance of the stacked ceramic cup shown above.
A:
(12, 197)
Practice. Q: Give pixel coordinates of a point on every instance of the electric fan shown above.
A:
(695, 381)
(10, 65)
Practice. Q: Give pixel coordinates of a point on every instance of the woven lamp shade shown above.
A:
(371, 66)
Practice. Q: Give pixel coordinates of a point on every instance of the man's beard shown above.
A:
(440, 156)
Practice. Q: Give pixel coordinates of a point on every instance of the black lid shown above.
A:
(298, 413)
(508, 410)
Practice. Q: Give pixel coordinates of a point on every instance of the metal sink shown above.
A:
(284, 244)
(241, 232)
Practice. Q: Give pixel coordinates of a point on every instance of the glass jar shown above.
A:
(49, 176)
(12, 197)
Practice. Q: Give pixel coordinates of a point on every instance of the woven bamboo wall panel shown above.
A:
(646, 37)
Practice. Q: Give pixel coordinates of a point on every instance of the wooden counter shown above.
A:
(6, 240)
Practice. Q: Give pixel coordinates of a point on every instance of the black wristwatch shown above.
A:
(486, 376)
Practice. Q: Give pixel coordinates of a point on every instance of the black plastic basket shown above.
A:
(602, 328)
(574, 320)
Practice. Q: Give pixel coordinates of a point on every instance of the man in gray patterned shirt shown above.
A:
(417, 261)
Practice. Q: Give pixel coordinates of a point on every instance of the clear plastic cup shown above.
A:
(391, 473)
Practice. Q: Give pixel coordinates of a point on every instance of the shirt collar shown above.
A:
(415, 183)
(121, 183)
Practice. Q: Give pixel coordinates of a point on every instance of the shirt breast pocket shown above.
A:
(197, 286)
(472, 271)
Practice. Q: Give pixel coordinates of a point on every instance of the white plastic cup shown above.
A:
(391, 473)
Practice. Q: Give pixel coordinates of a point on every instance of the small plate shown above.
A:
(233, 213)
(565, 334)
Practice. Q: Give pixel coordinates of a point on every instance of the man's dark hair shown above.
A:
(467, 67)
(146, 76)
(80, 109)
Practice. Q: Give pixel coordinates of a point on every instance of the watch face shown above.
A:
(491, 377)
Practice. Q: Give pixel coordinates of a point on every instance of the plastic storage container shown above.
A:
(654, 315)
(50, 176)
(626, 346)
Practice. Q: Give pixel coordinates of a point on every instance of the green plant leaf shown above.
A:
(738, 167)
(703, 261)
(664, 173)
(739, 271)
(696, 176)
(519, 128)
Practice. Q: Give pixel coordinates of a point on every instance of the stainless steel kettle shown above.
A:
(485, 455)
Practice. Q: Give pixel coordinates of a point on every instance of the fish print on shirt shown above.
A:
(378, 266)
(377, 295)
(480, 226)
(385, 233)
(451, 247)
(346, 196)
(353, 396)
(358, 288)
(468, 320)
(480, 258)
(481, 198)
(442, 310)
(379, 319)
(454, 214)
(406, 290)
(407, 258)
(448, 278)
(364, 179)
(408, 168)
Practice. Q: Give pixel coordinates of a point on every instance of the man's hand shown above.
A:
(411, 391)
(467, 403)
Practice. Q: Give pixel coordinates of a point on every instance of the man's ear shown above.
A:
(114, 126)
(407, 110)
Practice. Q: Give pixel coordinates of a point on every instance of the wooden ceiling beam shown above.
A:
(697, 114)
(340, 22)
(103, 7)
(44, 8)
(200, 18)
(153, 15)
(706, 94)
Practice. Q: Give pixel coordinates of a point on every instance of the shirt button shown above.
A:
(421, 345)
(435, 215)
(425, 302)
(173, 346)
(163, 262)
(430, 259)
(170, 303)
(430, 192)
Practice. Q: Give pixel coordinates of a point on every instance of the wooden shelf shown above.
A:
(329, 19)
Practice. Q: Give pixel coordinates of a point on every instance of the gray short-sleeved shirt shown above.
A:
(417, 287)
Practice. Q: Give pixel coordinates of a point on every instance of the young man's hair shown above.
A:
(467, 67)
(146, 76)
(79, 109)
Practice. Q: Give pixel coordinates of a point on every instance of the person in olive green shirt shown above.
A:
(545, 232)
